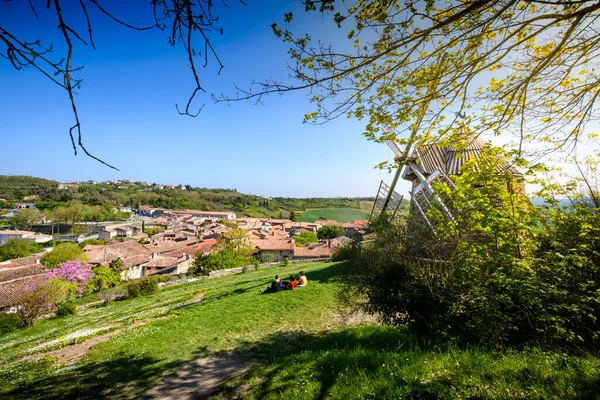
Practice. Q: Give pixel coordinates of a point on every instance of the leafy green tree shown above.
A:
(330, 232)
(116, 264)
(507, 67)
(104, 278)
(222, 259)
(305, 238)
(293, 215)
(236, 240)
(17, 248)
(25, 218)
(63, 252)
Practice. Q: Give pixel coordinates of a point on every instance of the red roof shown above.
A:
(322, 251)
(273, 245)
(8, 274)
(10, 291)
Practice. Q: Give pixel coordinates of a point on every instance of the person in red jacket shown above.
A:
(293, 283)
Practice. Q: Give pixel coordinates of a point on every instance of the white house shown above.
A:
(5, 236)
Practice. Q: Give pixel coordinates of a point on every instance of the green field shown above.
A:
(291, 345)
(337, 214)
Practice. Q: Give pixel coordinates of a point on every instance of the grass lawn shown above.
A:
(294, 341)
(233, 314)
(338, 214)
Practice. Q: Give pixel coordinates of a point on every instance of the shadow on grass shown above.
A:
(329, 274)
(382, 362)
(121, 377)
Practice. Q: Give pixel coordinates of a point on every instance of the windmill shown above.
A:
(423, 195)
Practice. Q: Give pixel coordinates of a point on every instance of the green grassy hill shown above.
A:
(338, 214)
(293, 345)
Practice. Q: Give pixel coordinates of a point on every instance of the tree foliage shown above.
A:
(305, 238)
(62, 253)
(25, 218)
(512, 274)
(330, 232)
(17, 248)
(187, 23)
(523, 67)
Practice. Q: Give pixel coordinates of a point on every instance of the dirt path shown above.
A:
(199, 379)
(70, 354)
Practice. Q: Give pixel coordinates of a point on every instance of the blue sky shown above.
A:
(127, 108)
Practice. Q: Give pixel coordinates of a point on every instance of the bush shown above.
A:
(344, 253)
(330, 232)
(92, 242)
(286, 262)
(305, 238)
(543, 294)
(8, 323)
(104, 278)
(65, 309)
(143, 286)
(267, 258)
(112, 294)
(40, 300)
(224, 259)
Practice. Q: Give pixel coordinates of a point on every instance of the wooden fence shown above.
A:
(429, 266)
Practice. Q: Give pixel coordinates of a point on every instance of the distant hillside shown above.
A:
(17, 187)
(134, 194)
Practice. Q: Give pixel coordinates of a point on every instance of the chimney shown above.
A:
(37, 260)
(154, 255)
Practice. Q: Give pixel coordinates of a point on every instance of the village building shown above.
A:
(23, 206)
(279, 249)
(5, 236)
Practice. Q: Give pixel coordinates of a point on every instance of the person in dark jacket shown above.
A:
(275, 286)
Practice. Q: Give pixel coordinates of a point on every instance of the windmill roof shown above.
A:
(451, 159)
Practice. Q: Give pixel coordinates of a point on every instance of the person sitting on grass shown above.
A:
(275, 286)
(303, 280)
(293, 283)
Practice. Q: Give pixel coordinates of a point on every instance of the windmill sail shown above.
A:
(387, 201)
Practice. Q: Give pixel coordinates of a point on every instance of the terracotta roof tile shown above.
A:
(273, 245)
(102, 253)
(10, 291)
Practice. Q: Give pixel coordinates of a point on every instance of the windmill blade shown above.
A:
(387, 199)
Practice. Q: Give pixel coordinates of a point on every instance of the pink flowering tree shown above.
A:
(77, 272)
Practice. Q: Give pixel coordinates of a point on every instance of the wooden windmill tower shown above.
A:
(423, 194)
(433, 163)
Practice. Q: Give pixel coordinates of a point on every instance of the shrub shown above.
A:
(112, 294)
(92, 242)
(330, 232)
(40, 300)
(65, 309)
(286, 262)
(267, 258)
(224, 259)
(540, 289)
(16, 248)
(344, 253)
(104, 278)
(8, 323)
(305, 238)
(143, 286)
